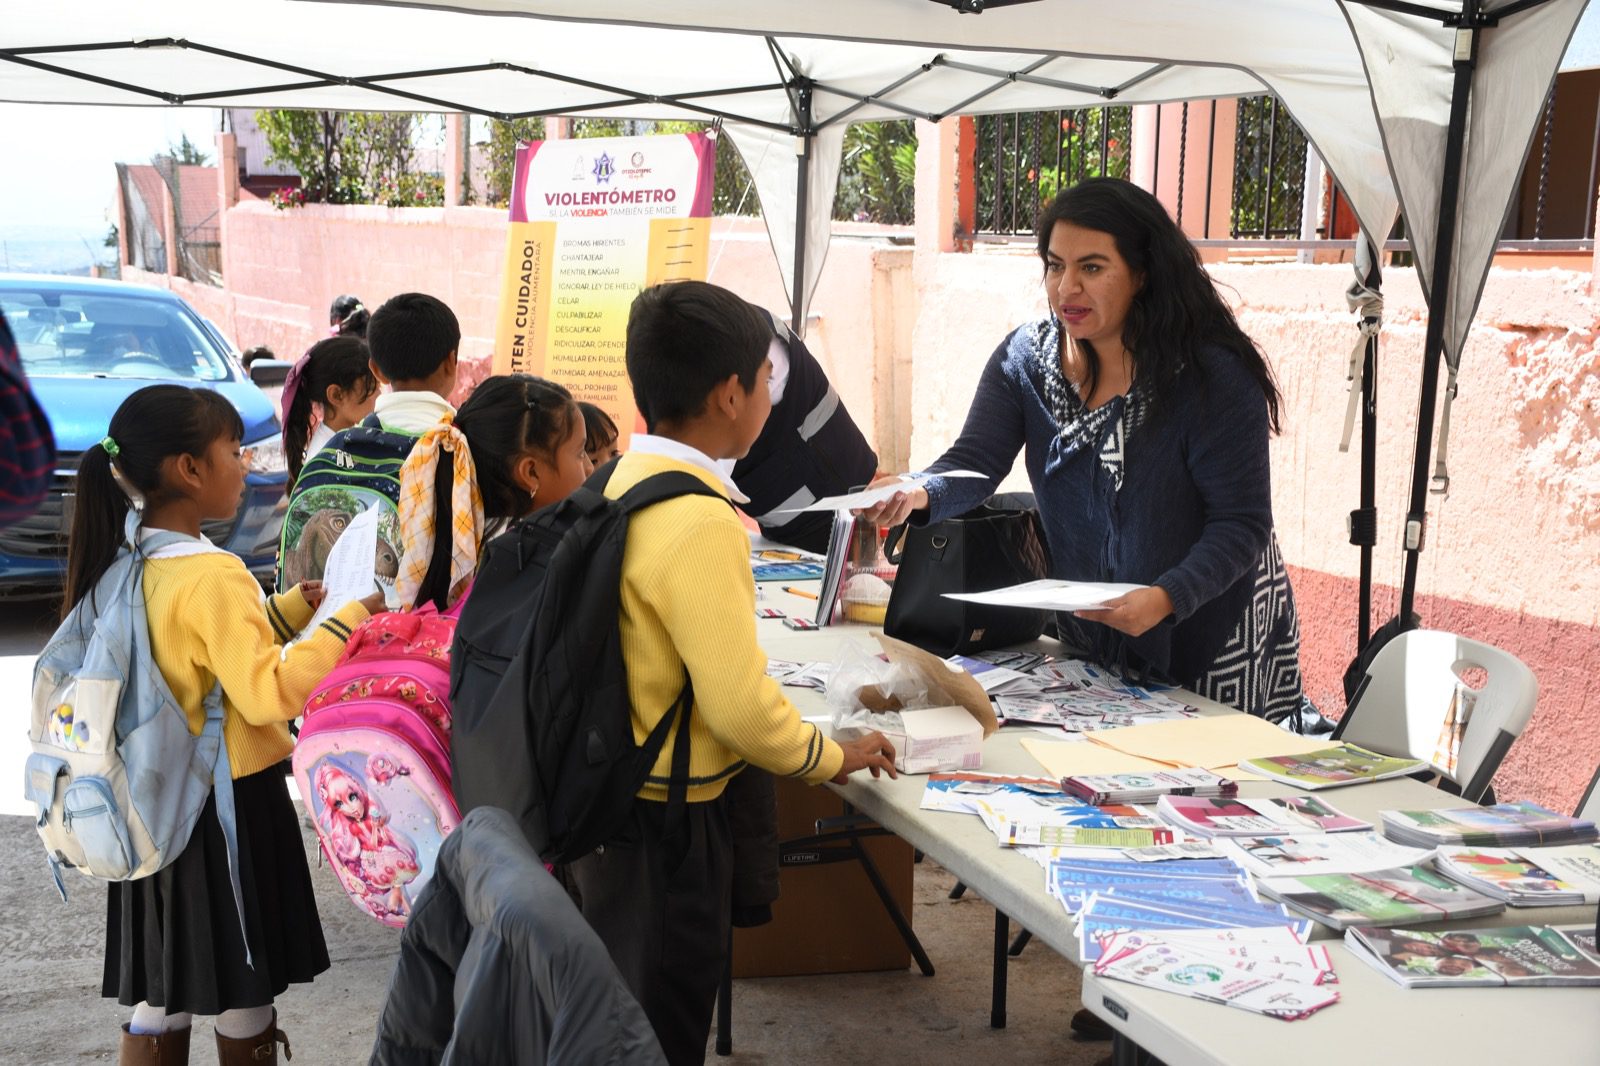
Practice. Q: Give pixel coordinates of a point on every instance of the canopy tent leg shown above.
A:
(1466, 57)
(1365, 297)
(802, 149)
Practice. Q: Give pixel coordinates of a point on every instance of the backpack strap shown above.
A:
(211, 734)
(678, 781)
(667, 485)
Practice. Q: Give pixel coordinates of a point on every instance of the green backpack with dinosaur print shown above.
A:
(356, 471)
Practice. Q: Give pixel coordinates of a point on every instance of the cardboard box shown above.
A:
(937, 738)
(827, 919)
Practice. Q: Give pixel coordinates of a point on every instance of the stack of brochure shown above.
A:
(1341, 764)
(1239, 817)
(1064, 822)
(1405, 896)
(1301, 854)
(1147, 786)
(1505, 825)
(1509, 955)
(1111, 896)
(1266, 971)
(1527, 877)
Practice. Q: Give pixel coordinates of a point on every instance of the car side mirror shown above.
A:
(269, 373)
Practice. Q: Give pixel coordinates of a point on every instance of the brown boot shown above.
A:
(258, 1050)
(168, 1049)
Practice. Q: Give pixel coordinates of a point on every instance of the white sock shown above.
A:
(153, 1021)
(244, 1023)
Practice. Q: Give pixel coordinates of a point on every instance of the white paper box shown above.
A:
(934, 739)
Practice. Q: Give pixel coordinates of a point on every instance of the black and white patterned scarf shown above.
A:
(1079, 426)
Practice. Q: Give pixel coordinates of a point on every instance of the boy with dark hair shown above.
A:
(413, 341)
(660, 896)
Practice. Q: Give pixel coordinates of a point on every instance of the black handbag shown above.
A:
(990, 547)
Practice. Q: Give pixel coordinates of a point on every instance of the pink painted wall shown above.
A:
(1511, 552)
(282, 269)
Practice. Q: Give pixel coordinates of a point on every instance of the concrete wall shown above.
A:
(1511, 551)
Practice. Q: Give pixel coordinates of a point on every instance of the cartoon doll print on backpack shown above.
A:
(373, 759)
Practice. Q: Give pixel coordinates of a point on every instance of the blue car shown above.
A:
(87, 345)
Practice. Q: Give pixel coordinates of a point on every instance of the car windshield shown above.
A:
(73, 334)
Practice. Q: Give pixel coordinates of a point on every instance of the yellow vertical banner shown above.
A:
(593, 221)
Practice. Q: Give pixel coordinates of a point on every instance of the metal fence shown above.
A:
(195, 222)
(1019, 161)
(1024, 159)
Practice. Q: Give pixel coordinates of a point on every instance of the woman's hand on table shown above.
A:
(1133, 613)
(896, 509)
(870, 752)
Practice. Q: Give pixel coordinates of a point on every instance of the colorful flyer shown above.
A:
(593, 221)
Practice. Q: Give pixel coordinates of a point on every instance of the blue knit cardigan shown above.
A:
(1194, 513)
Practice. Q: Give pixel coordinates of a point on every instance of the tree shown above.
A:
(504, 137)
(878, 173)
(351, 157)
(185, 153)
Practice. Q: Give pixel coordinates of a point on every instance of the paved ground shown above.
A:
(50, 961)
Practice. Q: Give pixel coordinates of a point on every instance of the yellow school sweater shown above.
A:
(688, 600)
(208, 623)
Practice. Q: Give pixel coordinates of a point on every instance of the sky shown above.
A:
(59, 158)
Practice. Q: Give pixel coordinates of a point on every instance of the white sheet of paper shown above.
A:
(350, 573)
(1050, 595)
(852, 501)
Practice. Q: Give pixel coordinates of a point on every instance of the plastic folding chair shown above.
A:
(1415, 689)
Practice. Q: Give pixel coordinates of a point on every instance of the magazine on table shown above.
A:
(1505, 825)
(1407, 896)
(1073, 882)
(1237, 816)
(1527, 877)
(959, 790)
(1331, 767)
(1103, 914)
(1146, 786)
(1303, 854)
(1176, 968)
(1267, 951)
(1506, 955)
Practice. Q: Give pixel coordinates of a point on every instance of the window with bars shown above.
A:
(1269, 171)
(1024, 159)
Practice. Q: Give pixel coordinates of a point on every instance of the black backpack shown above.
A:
(542, 724)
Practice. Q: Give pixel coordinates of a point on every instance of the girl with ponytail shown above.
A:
(175, 942)
(333, 380)
(515, 446)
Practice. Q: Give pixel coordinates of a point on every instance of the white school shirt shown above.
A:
(722, 469)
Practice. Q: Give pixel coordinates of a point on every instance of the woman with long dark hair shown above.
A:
(1144, 413)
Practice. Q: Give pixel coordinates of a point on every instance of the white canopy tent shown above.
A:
(1426, 104)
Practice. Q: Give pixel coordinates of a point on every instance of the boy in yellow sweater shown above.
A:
(660, 898)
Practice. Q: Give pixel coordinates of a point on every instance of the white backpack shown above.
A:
(118, 779)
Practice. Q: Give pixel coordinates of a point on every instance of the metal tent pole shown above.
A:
(1466, 57)
(1364, 520)
(802, 151)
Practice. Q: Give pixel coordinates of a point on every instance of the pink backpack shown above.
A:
(373, 758)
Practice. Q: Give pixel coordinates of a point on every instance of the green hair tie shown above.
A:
(111, 447)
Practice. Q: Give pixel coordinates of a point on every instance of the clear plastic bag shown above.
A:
(866, 693)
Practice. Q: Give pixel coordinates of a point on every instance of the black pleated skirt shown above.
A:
(173, 938)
